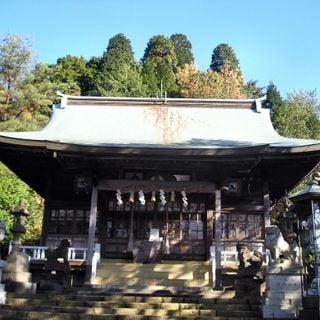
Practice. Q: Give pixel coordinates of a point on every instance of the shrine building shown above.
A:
(186, 173)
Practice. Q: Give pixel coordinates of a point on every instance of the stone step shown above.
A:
(163, 262)
(147, 268)
(141, 281)
(107, 273)
(152, 274)
(136, 302)
(168, 273)
(109, 309)
(10, 315)
(138, 281)
(129, 304)
(137, 295)
(123, 314)
(164, 267)
(194, 266)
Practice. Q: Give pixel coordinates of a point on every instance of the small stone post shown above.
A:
(16, 275)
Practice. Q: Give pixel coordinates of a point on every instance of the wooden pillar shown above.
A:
(130, 243)
(266, 203)
(217, 238)
(209, 234)
(92, 231)
(167, 243)
(46, 211)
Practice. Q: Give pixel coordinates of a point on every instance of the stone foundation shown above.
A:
(283, 295)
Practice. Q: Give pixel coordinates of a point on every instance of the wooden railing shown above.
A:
(233, 256)
(38, 253)
(229, 256)
(74, 254)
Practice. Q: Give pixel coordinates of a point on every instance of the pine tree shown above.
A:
(224, 55)
(159, 66)
(182, 49)
(118, 73)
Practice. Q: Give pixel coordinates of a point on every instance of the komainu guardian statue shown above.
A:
(279, 248)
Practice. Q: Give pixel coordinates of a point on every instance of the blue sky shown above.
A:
(274, 40)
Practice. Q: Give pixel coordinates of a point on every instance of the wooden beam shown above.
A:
(126, 186)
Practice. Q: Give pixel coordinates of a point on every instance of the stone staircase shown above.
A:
(126, 290)
(94, 304)
(167, 273)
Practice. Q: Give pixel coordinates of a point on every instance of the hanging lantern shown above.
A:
(172, 197)
(153, 196)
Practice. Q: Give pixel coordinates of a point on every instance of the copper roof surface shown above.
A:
(159, 123)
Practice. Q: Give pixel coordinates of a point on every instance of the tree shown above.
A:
(297, 116)
(188, 80)
(210, 84)
(274, 99)
(119, 52)
(232, 83)
(198, 84)
(117, 72)
(12, 191)
(150, 78)
(252, 91)
(159, 65)
(182, 49)
(127, 83)
(274, 102)
(22, 105)
(73, 72)
(224, 55)
(91, 85)
(15, 59)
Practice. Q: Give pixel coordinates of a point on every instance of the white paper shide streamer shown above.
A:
(119, 198)
(184, 199)
(142, 198)
(163, 197)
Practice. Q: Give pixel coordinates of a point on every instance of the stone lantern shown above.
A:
(308, 210)
(18, 229)
(16, 275)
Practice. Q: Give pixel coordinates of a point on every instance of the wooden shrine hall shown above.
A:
(187, 174)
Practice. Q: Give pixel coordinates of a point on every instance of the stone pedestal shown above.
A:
(283, 295)
(16, 275)
(248, 281)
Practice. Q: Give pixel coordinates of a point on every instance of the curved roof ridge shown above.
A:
(71, 99)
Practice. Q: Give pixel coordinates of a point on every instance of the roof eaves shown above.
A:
(156, 150)
(22, 142)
